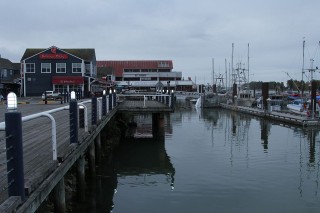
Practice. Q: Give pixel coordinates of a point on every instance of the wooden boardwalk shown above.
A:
(37, 146)
(41, 172)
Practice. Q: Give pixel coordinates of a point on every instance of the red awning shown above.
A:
(67, 80)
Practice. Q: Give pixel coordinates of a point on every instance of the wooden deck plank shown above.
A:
(37, 145)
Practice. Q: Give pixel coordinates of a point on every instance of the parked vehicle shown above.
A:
(53, 95)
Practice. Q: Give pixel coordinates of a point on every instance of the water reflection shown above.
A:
(265, 129)
(213, 157)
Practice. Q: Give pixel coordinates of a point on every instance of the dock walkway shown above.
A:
(41, 171)
(37, 144)
(300, 120)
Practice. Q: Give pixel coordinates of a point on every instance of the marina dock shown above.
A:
(299, 120)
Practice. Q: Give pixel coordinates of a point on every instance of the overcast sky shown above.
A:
(191, 33)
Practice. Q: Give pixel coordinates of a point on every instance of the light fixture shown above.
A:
(104, 92)
(73, 95)
(12, 101)
(110, 91)
(114, 90)
(172, 91)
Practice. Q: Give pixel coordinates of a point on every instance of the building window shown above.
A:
(30, 68)
(4, 73)
(45, 68)
(61, 68)
(163, 64)
(88, 67)
(76, 67)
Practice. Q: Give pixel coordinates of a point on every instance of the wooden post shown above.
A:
(92, 160)
(97, 142)
(158, 125)
(81, 178)
(59, 197)
(265, 95)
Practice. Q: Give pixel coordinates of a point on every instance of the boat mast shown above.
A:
(303, 45)
(232, 71)
(226, 71)
(248, 70)
(213, 82)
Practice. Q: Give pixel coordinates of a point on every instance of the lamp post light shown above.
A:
(104, 103)
(14, 148)
(114, 97)
(110, 100)
(12, 102)
(74, 117)
(73, 96)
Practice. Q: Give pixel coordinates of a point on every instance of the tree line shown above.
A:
(279, 86)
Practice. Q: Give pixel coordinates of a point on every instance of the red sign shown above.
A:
(53, 56)
(54, 50)
(67, 80)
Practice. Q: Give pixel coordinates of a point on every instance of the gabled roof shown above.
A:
(159, 84)
(7, 64)
(86, 54)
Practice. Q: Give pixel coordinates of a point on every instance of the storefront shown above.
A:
(58, 70)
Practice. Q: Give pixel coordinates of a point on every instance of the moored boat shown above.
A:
(298, 105)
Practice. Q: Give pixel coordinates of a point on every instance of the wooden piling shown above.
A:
(97, 142)
(92, 159)
(81, 178)
(59, 197)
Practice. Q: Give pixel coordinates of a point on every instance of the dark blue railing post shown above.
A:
(110, 101)
(73, 116)
(94, 111)
(64, 96)
(14, 148)
(172, 101)
(104, 105)
(114, 98)
(167, 100)
(68, 96)
(162, 98)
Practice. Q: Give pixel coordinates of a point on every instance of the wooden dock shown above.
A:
(41, 172)
(149, 106)
(300, 120)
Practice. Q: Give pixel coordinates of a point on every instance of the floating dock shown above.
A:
(300, 120)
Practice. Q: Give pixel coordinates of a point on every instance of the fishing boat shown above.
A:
(298, 105)
(276, 102)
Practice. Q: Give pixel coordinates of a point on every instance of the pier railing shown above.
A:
(21, 173)
(167, 99)
(47, 138)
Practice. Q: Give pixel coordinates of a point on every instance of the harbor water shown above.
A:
(210, 160)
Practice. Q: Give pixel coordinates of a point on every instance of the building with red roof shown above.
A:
(145, 74)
